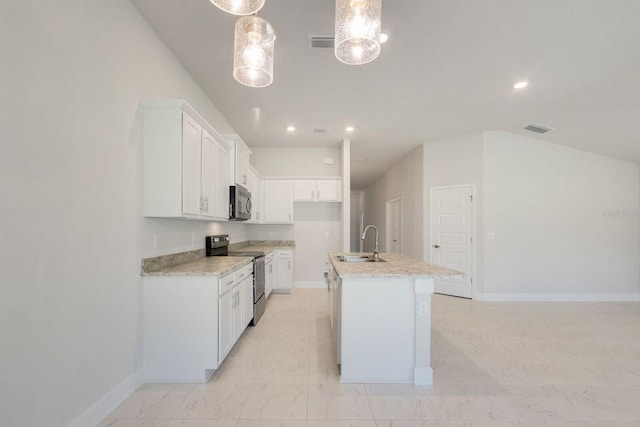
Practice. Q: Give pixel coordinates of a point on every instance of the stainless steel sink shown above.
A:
(358, 258)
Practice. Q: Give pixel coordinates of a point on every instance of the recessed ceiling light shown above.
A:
(350, 129)
(383, 37)
(291, 128)
(520, 85)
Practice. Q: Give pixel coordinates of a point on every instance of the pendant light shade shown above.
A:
(253, 52)
(358, 24)
(239, 7)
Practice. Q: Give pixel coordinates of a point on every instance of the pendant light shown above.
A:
(253, 52)
(239, 7)
(358, 24)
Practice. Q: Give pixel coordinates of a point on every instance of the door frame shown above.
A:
(387, 228)
(473, 227)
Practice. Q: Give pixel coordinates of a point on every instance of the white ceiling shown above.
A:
(447, 69)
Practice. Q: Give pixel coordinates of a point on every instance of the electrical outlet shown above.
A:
(491, 236)
(326, 234)
(193, 238)
(572, 280)
(155, 240)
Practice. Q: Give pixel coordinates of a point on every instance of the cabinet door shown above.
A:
(242, 167)
(285, 270)
(238, 321)
(268, 278)
(278, 202)
(191, 166)
(247, 302)
(254, 188)
(222, 172)
(329, 190)
(208, 175)
(304, 191)
(226, 308)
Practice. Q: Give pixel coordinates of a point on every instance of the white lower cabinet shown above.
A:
(247, 302)
(233, 310)
(269, 274)
(226, 310)
(190, 324)
(284, 264)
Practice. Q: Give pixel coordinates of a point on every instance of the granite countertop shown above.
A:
(262, 248)
(265, 246)
(208, 266)
(396, 265)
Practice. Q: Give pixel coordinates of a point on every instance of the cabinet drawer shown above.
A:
(285, 254)
(226, 283)
(243, 273)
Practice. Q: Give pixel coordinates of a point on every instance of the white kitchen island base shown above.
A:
(385, 330)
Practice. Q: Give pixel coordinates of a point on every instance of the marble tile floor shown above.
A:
(495, 364)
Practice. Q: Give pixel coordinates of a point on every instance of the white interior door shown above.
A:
(451, 224)
(394, 226)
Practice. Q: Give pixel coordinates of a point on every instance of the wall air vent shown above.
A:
(538, 128)
(322, 42)
(320, 130)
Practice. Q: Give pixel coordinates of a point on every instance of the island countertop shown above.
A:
(395, 265)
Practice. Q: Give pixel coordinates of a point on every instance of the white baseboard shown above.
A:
(634, 297)
(423, 375)
(320, 284)
(110, 401)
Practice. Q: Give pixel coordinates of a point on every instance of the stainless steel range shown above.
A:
(219, 246)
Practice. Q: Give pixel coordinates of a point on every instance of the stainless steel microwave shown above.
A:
(239, 203)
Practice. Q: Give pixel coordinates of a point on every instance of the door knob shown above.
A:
(436, 246)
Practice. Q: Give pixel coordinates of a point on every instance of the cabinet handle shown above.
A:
(230, 210)
(311, 194)
(289, 265)
(290, 218)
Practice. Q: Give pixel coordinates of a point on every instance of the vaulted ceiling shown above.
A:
(447, 69)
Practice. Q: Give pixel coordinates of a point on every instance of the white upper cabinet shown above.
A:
(208, 174)
(278, 201)
(324, 190)
(192, 199)
(222, 180)
(304, 190)
(241, 163)
(255, 188)
(184, 175)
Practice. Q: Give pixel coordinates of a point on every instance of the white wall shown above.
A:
(456, 161)
(548, 206)
(355, 221)
(316, 232)
(73, 76)
(303, 161)
(405, 179)
(312, 221)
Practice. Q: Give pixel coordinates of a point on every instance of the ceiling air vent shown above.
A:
(322, 42)
(320, 130)
(538, 128)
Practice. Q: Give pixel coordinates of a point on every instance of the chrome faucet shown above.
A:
(375, 249)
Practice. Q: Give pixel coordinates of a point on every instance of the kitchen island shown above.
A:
(381, 318)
